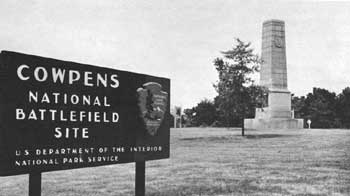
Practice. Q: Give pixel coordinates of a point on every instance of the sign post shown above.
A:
(59, 115)
(140, 178)
(35, 184)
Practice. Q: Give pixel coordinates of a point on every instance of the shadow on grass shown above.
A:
(236, 137)
(209, 139)
(263, 136)
(236, 187)
(232, 138)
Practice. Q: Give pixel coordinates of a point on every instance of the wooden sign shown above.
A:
(57, 115)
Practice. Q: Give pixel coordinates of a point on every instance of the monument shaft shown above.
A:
(274, 68)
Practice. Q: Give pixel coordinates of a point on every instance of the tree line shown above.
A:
(325, 109)
(238, 96)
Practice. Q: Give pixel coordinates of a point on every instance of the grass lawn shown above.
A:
(213, 161)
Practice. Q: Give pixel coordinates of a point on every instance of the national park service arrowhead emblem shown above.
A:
(152, 102)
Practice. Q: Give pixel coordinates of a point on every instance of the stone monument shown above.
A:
(273, 76)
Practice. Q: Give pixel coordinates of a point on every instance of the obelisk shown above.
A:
(273, 76)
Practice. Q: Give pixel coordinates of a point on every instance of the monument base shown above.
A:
(274, 123)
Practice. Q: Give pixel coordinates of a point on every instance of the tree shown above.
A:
(204, 114)
(320, 107)
(236, 93)
(298, 105)
(258, 98)
(343, 107)
(188, 117)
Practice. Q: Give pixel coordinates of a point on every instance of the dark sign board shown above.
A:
(57, 115)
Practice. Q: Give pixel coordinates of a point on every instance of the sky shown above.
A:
(180, 39)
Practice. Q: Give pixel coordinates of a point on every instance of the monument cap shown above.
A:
(273, 21)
